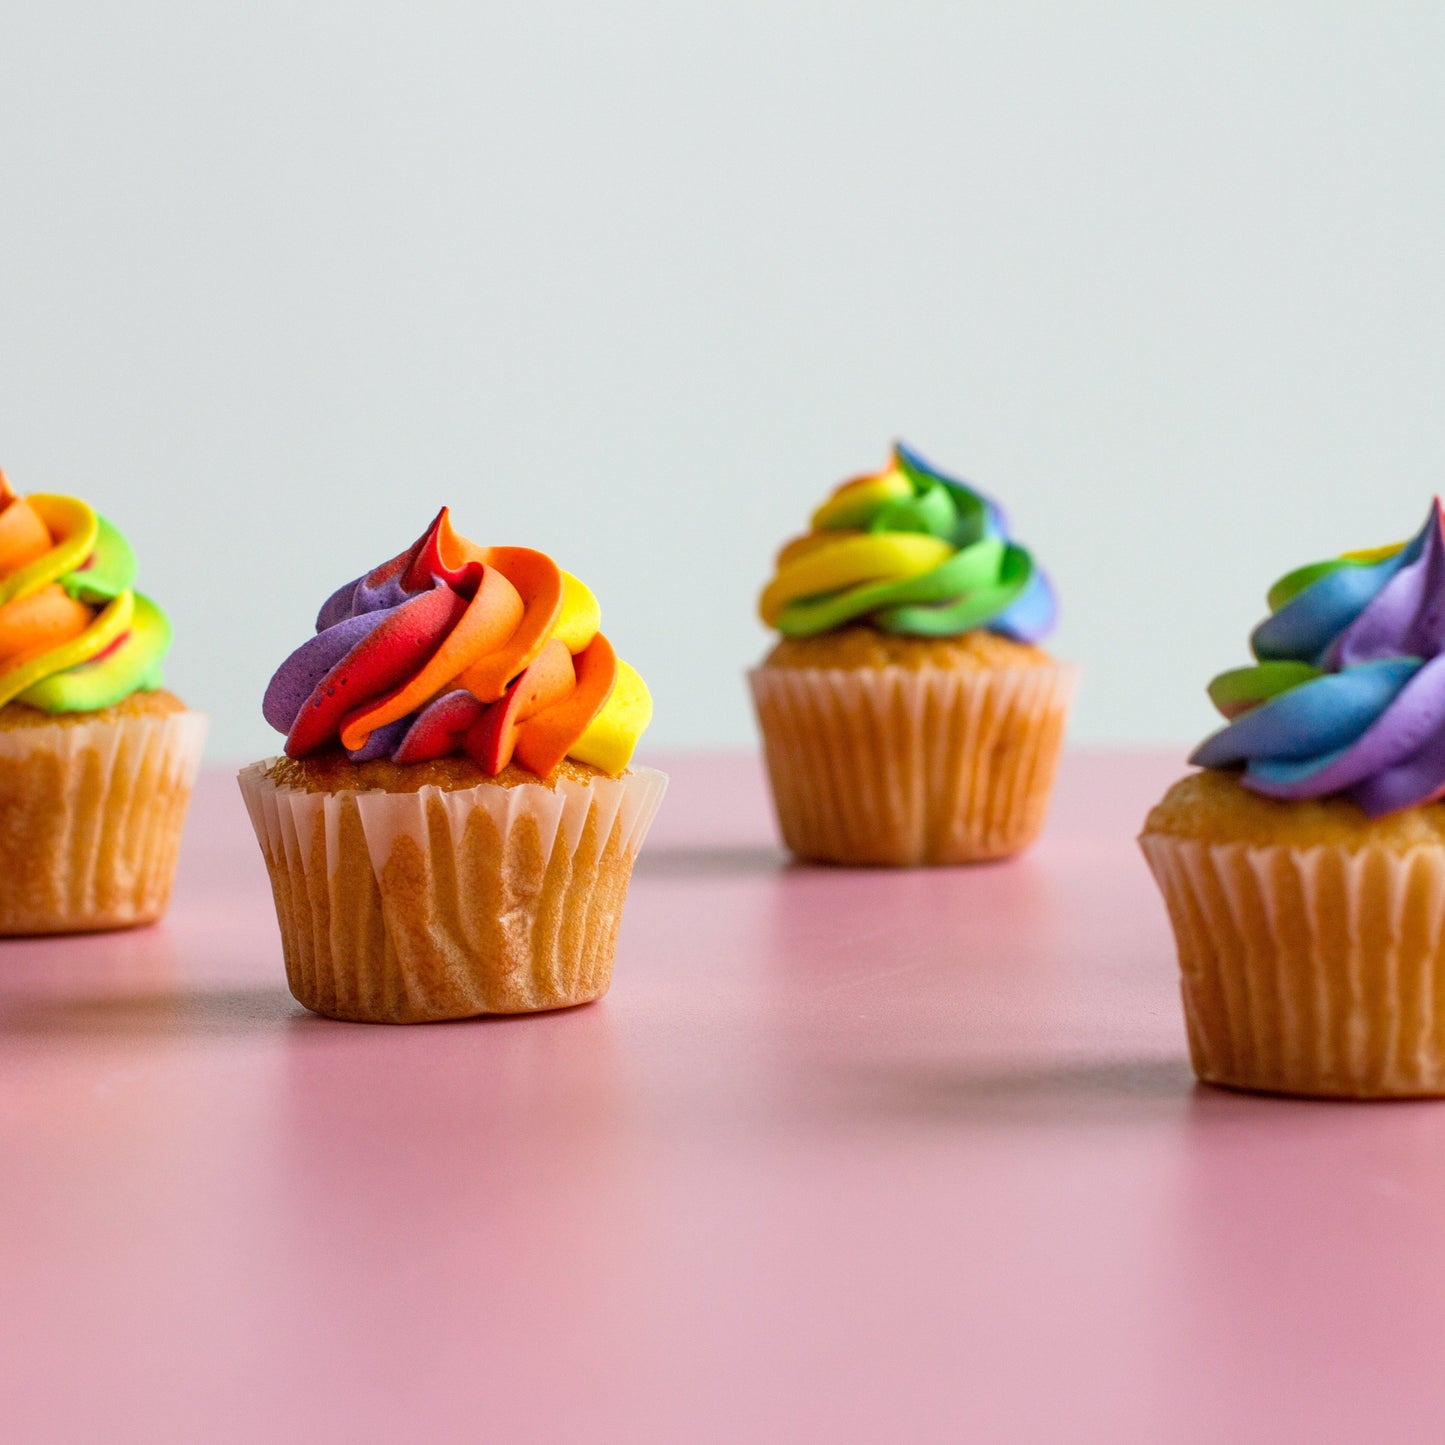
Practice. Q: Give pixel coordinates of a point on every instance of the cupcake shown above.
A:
(1304, 869)
(907, 714)
(96, 761)
(452, 828)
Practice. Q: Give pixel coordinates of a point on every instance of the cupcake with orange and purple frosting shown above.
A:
(1304, 866)
(452, 828)
(908, 713)
(97, 761)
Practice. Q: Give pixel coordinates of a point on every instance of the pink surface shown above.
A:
(843, 1156)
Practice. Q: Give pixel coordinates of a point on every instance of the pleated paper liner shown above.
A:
(436, 904)
(90, 820)
(1309, 970)
(899, 766)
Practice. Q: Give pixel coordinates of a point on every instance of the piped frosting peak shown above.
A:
(75, 636)
(450, 648)
(909, 550)
(1347, 695)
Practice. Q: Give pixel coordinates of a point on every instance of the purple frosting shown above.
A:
(348, 616)
(1368, 720)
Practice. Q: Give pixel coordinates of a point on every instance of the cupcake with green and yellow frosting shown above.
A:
(908, 714)
(96, 759)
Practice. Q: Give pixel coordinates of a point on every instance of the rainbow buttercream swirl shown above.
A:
(451, 649)
(909, 550)
(1348, 695)
(74, 634)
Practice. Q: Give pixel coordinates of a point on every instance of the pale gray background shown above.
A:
(637, 283)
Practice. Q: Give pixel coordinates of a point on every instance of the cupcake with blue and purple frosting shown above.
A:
(1304, 865)
(908, 713)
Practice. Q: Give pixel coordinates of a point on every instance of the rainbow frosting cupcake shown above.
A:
(96, 763)
(1304, 869)
(452, 829)
(908, 715)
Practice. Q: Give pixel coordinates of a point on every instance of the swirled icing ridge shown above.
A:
(1348, 694)
(451, 648)
(909, 550)
(74, 634)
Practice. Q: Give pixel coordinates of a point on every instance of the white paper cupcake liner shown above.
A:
(403, 907)
(92, 816)
(900, 766)
(1316, 970)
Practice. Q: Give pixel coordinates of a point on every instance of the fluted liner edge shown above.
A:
(437, 904)
(91, 815)
(899, 766)
(1316, 971)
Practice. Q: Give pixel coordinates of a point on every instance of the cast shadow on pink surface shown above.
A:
(751, 860)
(1049, 1092)
(160, 1014)
(700, 862)
(302, 1021)
(198, 1014)
(1119, 1091)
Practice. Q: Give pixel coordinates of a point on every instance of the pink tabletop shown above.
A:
(843, 1156)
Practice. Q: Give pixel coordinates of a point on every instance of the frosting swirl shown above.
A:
(451, 648)
(909, 550)
(74, 634)
(1348, 694)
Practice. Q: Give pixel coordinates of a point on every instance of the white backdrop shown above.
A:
(636, 283)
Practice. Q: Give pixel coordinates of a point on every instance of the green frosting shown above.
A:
(988, 581)
(1242, 688)
(107, 572)
(130, 664)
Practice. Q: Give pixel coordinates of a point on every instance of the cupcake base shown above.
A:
(91, 812)
(899, 766)
(408, 907)
(1307, 968)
